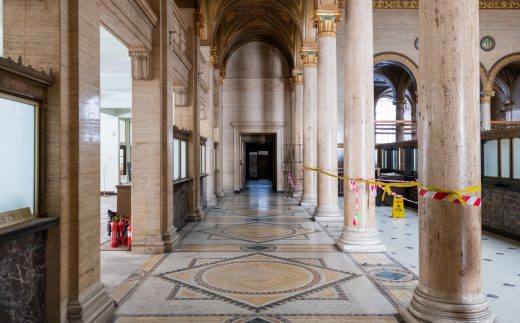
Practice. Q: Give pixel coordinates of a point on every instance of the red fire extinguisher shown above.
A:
(115, 233)
(121, 229)
(129, 240)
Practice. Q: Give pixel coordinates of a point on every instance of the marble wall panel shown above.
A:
(22, 279)
(500, 209)
(182, 199)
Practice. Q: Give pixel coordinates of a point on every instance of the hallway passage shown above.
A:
(259, 257)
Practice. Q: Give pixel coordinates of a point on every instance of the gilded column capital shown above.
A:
(297, 77)
(141, 63)
(486, 96)
(310, 57)
(327, 22)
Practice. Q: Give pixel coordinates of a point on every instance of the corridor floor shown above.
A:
(259, 257)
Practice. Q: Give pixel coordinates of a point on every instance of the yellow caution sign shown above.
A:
(398, 208)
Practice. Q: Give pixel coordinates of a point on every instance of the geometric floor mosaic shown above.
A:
(258, 257)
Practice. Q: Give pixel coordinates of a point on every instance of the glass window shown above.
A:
(176, 159)
(505, 155)
(415, 159)
(395, 159)
(490, 149)
(202, 159)
(184, 158)
(18, 148)
(122, 131)
(516, 158)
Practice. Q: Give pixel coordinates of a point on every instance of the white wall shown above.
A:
(256, 90)
(109, 152)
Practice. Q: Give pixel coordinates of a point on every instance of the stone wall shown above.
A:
(256, 90)
(500, 208)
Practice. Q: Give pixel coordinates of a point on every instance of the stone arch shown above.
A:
(399, 58)
(498, 66)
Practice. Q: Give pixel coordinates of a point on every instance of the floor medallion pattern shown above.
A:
(260, 281)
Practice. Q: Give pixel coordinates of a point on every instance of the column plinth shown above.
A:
(327, 208)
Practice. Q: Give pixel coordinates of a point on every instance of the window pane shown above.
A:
(122, 131)
(415, 159)
(505, 151)
(184, 158)
(516, 158)
(176, 160)
(490, 158)
(17, 148)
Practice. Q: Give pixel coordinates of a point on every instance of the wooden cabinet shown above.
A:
(124, 200)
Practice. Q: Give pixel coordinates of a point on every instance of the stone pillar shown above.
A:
(327, 208)
(450, 276)
(310, 133)
(400, 105)
(152, 143)
(210, 143)
(220, 150)
(485, 110)
(194, 147)
(359, 232)
(297, 134)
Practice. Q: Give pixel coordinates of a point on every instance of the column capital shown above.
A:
(222, 76)
(213, 57)
(297, 77)
(485, 96)
(141, 63)
(310, 57)
(327, 21)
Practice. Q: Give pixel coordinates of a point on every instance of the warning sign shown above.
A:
(398, 208)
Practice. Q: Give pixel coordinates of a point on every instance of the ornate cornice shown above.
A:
(148, 11)
(326, 22)
(28, 72)
(414, 4)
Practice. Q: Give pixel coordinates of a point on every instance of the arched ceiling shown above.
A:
(233, 23)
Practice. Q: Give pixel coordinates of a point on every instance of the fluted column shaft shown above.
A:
(359, 232)
(310, 130)
(327, 209)
(450, 282)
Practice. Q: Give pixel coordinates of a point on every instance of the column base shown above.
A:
(149, 246)
(328, 214)
(309, 200)
(297, 194)
(360, 241)
(212, 200)
(423, 308)
(197, 215)
(170, 239)
(93, 305)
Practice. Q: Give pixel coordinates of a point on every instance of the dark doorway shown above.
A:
(259, 161)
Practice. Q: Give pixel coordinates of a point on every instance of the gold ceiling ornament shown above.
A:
(222, 75)
(200, 22)
(414, 4)
(310, 57)
(327, 22)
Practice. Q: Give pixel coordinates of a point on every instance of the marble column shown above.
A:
(359, 233)
(220, 150)
(297, 132)
(485, 110)
(400, 105)
(310, 133)
(450, 274)
(210, 151)
(327, 208)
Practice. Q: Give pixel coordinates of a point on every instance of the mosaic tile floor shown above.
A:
(258, 257)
